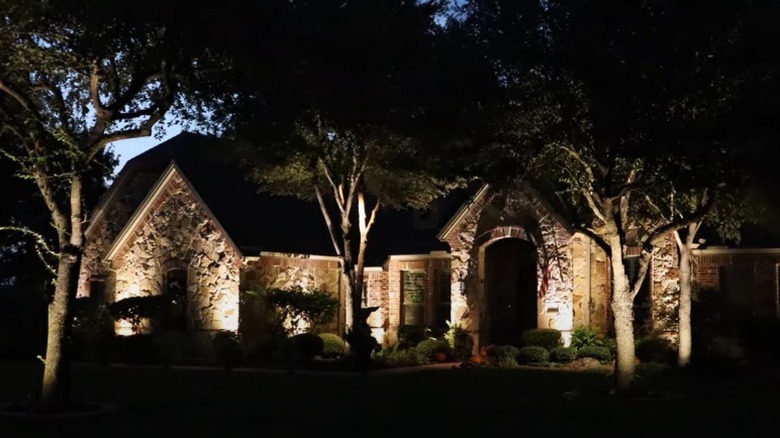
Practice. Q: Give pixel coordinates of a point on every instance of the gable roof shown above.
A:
(258, 221)
(148, 203)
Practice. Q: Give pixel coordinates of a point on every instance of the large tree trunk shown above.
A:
(685, 329)
(622, 311)
(56, 370)
(625, 368)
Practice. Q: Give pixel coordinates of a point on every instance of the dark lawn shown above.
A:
(479, 402)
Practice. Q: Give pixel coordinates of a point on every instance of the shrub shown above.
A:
(460, 341)
(333, 345)
(499, 352)
(227, 348)
(533, 354)
(411, 335)
(297, 307)
(602, 354)
(428, 347)
(584, 336)
(507, 362)
(93, 329)
(563, 354)
(307, 345)
(546, 338)
(608, 343)
(136, 309)
(655, 349)
(395, 357)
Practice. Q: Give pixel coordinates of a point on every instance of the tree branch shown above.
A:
(328, 220)
(333, 186)
(39, 239)
(21, 99)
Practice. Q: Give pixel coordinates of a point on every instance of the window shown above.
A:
(176, 291)
(97, 290)
(643, 301)
(441, 293)
(413, 297)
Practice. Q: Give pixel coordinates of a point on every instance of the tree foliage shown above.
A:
(620, 105)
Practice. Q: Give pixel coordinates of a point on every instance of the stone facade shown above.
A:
(289, 271)
(145, 230)
(177, 233)
(519, 214)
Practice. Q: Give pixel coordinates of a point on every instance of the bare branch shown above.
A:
(334, 187)
(696, 216)
(39, 239)
(137, 83)
(644, 264)
(328, 221)
(135, 114)
(585, 166)
(21, 99)
(94, 94)
(591, 199)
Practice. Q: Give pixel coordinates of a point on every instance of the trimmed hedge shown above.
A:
(546, 338)
(533, 355)
(333, 345)
(428, 347)
(563, 354)
(602, 354)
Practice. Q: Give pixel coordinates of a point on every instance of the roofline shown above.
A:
(462, 211)
(716, 251)
(157, 191)
(292, 255)
(106, 199)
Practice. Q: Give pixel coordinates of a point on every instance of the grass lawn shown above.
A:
(445, 402)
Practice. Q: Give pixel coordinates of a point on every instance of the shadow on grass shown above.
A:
(153, 401)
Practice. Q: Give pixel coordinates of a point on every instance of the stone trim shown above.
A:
(292, 255)
(150, 202)
(725, 251)
(471, 204)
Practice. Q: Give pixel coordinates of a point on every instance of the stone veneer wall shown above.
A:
(178, 233)
(288, 271)
(125, 199)
(600, 290)
(518, 214)
(665, 287)
(378, 294)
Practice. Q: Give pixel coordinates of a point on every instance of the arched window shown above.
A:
(176, 291)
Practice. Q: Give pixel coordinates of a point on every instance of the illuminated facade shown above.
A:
(496, 264)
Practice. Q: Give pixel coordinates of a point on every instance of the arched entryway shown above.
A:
(510, 286)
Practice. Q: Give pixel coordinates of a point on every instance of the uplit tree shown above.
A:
(594, 92)
(354, 122)
(76, 76)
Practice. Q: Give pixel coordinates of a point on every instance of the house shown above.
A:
(178, 219)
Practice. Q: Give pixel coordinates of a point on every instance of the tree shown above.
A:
(347, 122)
(75, 77)
(602, 95)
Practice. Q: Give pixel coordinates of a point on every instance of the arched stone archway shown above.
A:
(519, 215)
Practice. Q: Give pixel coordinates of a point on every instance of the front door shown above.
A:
(510, 290)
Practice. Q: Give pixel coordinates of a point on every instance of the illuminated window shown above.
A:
(413, 297)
